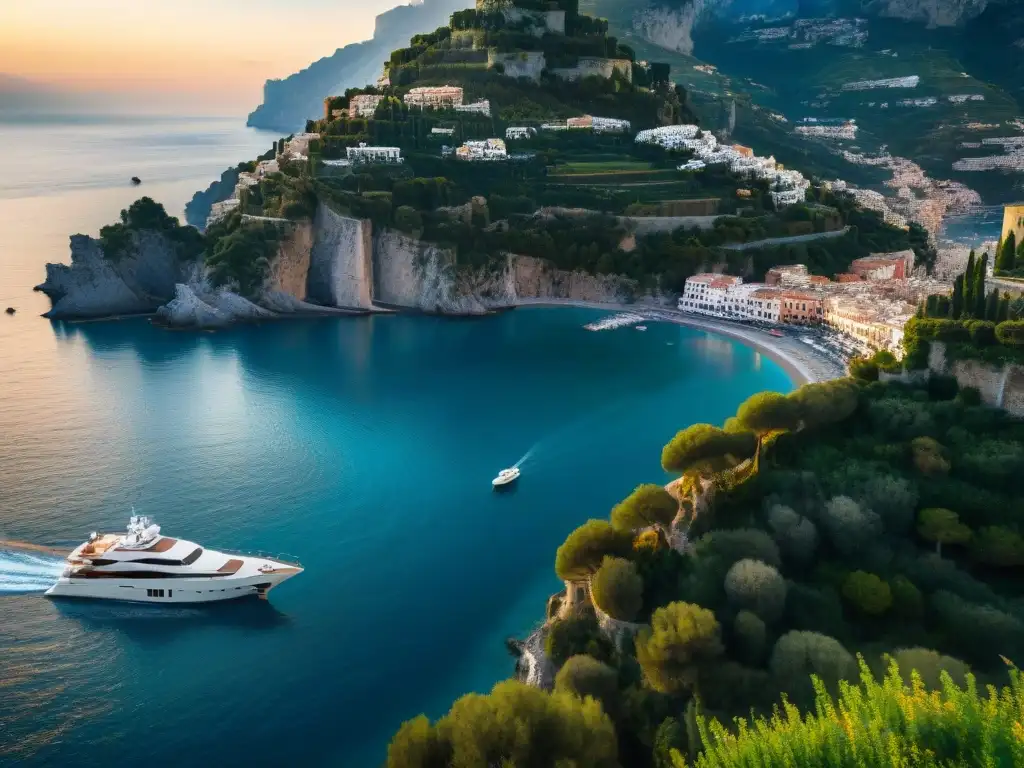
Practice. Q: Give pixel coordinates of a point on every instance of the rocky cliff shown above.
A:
(1000, 386)
(340, 261)
(94, 286)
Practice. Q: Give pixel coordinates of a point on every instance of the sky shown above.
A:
(212, 55)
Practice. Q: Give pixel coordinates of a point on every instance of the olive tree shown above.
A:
(617, 589)
(868, 593)
(680, 639)
(585, 548)
(649, 505)
(849, 527)
(515, 724)
(756, 587)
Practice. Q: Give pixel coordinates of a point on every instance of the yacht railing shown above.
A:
(283, 557)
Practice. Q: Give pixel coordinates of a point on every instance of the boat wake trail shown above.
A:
(524, 458)
(22, 572)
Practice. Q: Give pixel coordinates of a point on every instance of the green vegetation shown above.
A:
(881, 521)
(146, 215)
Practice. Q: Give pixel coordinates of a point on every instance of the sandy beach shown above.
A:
(802, 362)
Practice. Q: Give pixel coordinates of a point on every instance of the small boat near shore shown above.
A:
(506, 477)
(641, 327)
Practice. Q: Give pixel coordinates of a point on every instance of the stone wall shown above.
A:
(341, 261)
(522, 64)
(594, 67)
(1000, 386)
(646, 225)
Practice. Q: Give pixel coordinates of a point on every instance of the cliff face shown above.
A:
(289, 272)
(340, 261)
(94, 286)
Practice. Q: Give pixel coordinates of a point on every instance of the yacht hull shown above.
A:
(172, 590)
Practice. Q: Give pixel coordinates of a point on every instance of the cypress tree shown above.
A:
(968, 295)
(1019, 261)
(1003, 313)
(931, 305)
(943, 307)
(957, 305)
(1007, 254)
(979, 287)
(992, 306)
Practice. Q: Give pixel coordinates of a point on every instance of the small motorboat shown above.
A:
(641, 327)
(776, 332)
(505, 477)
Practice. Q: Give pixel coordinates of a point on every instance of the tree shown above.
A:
(617, 589)
(850, 528)
(868, 593)
(863, 369)
(408, 219)
(649, 505)
(942, 526)
(669, 737)
(754, 586)
(892, 498)
(750, 634)
(585, 548)
(515, 724)
(576, 635)
(906, 598)
(999, 547)
(703, 448)
(968, 293)
(992, 306)
(798, 655)
(979, 287)
(586, 676)
(796, 536)
(828, 402)
(929, 456)
(956, 309)
(734, 544)
(680, 639)
(1006, 257)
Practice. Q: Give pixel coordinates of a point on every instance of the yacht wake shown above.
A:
(24, 572)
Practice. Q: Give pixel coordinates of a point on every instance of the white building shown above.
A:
(669, 136)
(442, 131)
(707, 294)
(692, 165)
(514, 133)
(482, 107)
(728, 297)
(443, 97)
(363, 105)
(599, 124)
(489, 149)
(365, 154)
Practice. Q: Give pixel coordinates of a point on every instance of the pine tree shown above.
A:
(981, 268)
(957, 305)
(1007, 254)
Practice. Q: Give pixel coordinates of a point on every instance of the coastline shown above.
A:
(801, 363)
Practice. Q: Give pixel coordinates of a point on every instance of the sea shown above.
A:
(364, 447)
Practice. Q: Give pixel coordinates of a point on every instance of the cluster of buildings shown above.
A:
(364, 154)
(246, 180)
(806, 33)
(487, 150)
(892, 82)
(1012, 158)
(445, 97)
(870, 304)
(589, 122)
(788, 187)
(846, 130)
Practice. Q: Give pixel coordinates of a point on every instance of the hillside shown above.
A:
(289, 101)
(822, 61)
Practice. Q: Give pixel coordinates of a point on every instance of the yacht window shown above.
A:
(192, 557)
(149, 593)
(170, 593)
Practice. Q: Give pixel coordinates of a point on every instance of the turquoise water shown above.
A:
(365, 447)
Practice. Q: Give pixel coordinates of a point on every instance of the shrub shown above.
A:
(750, 635)
(970, 396)
(681, 638)
(515, 724)
(863, 369)
(408, 219)
(906, 598)
(648, 541)
(797, 536)
(649, 505)
(617, 589)
(868, 593)
(1011, 333)
(757, 587)
(876, 724)
(586, 676)
(736, 544)
(577, 635)
(930, 666)
(980, 632)
(929, 456)
(893, 499)
(797, 655)
(849, 527)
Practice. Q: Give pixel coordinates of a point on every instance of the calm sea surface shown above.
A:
(364, 447)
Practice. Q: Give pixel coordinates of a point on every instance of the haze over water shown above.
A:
(364, 447)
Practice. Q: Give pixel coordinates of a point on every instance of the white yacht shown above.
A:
(505, 477)
(143, 566)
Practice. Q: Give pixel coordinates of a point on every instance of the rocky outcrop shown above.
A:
(94, 286)
(340, 261)
(1000, 386)
(289, 272)
(537, 279)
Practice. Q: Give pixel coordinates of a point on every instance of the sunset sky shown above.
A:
(210, 54)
